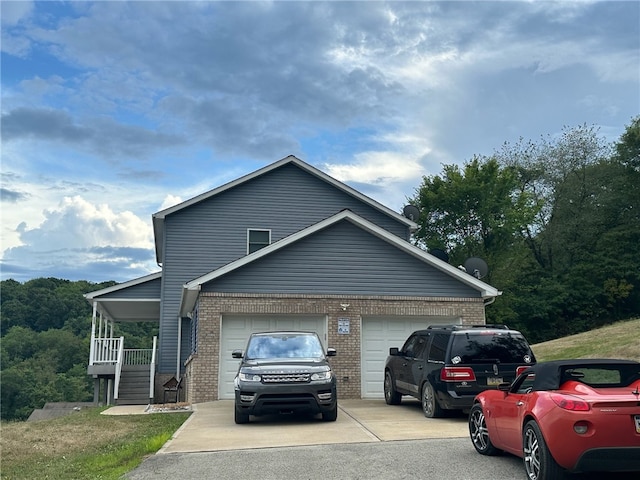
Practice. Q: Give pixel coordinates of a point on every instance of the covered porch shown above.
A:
(124, 375)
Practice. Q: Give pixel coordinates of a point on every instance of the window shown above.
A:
(257, 239)
(438, 347)
(525, 385)
(194, 332)
(414, 346)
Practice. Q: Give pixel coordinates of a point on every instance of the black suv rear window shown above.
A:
(489, 346)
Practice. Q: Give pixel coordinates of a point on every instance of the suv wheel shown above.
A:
(331, 415)
(391, 395)
(240, 417)
(430, 405)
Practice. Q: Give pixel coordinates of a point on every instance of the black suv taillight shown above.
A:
(457, 374)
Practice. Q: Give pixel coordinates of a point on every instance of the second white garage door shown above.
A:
(378, 335)
(235, 333)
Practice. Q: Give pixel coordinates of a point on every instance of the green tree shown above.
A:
(476, 211)
(555, 173)
(558, 221)
(46, 325)
(628, 147)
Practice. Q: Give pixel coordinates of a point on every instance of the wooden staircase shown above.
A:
(134, 385)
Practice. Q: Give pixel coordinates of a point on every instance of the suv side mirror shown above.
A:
(331, 352)
(394, 351)
(236, 354)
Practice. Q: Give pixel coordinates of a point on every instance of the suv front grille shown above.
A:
(286, 378)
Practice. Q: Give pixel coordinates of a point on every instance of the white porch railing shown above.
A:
(116, 384)
(105, 350)
(138, 356)
(111, 351)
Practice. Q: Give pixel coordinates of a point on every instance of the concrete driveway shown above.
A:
(211, 427)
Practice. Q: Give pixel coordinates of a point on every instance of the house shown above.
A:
(285, 247)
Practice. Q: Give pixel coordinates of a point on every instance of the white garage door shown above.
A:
(235, 333)
(381, 333)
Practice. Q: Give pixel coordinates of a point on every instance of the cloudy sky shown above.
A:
(112, 111)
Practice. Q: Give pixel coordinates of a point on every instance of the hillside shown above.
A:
(619, 340)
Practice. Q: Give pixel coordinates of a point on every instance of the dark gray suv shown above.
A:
(446, 366)
(284, 372)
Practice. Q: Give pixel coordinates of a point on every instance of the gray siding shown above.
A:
(210, 234)
(342, 260)
(150, 289)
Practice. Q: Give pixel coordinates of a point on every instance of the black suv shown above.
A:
(285, 372)
(445, 367)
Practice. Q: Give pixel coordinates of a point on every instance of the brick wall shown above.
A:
(202, 368)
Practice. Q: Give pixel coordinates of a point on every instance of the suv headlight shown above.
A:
(249, 377)
(321, 375)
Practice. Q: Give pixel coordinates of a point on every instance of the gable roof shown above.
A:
(158, 217)
(191, 289)
(114, 302)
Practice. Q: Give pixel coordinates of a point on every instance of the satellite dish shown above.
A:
(411, 212)
(441, 254)
(476, 266)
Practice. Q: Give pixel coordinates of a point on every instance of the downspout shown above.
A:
(492, 299)
(179, 347)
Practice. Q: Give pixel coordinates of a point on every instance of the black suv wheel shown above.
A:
(391, 395)
(430, 405)
(446, 366)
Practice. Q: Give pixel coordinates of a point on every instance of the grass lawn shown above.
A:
(83, 445)
(619, 340)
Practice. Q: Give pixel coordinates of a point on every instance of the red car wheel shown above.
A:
(538, 461)
(479, 433)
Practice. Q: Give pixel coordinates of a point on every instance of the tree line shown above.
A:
(557, 221)
(45, 325)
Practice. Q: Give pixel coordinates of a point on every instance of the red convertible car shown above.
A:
(566, 415)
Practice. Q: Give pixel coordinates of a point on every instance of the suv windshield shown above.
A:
(479, 347)
(284, 346)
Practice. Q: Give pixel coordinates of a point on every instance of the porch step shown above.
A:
(134, 385)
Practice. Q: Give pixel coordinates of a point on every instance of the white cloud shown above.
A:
(83, 240)
(376, 168)
(14, 12)
(169, 201)
(77, 223)
(388, 177)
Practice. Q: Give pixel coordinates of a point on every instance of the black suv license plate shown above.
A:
(493, 381)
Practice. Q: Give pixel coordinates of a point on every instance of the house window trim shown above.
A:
(249, 243)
